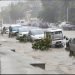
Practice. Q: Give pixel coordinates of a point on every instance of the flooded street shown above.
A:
(57, 60)
(70, 34)
(23, 23)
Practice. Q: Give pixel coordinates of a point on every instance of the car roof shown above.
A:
(14, 25)
(52, 30)
(35, 29)
(24, 28)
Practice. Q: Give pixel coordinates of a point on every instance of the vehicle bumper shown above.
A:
(58, 43)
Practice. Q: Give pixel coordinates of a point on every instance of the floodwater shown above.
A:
(57, 60)
(70, 34)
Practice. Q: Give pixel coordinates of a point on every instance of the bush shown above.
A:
(43, 44)
(23, 38)
(17, 38)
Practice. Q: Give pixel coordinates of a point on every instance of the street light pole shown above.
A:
(66, 3)
(67, 14)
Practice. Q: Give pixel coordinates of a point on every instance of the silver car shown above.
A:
(36, 34)
(23, 31)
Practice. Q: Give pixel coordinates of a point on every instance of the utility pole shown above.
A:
(67, 13)
(67, 9)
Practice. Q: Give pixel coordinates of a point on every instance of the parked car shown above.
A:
(15, 28)
(22, 31)
(69, 27)
(56, 36)
(71, 46)
(36, 34)
(66, 26)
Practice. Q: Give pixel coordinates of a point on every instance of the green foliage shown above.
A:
(17, 11)
(48, 15)
(53, 10)
(22, 39)
(56, 10)
(43, 44)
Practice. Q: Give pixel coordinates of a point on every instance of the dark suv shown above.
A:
(71, 46)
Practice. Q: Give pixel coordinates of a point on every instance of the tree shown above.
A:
(13, 12)
(50, 11)
(56, 10)
(18, 10)
(49, 15)
(72, 16)
(5, 15)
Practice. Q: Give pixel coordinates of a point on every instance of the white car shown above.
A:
(15, 28)
(36, 34)
(56, 36)
(23, 31)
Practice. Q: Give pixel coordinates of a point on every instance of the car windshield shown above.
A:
(37, 32)
(15, 28)
(56, 35)
(58, 32)
(23, 30)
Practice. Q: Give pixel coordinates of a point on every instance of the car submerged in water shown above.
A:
(15, 28)
(70, 46)
(69, 27)
(22, 31)
(66, 26)
(56, 36)
(36, 34)
(25, 31)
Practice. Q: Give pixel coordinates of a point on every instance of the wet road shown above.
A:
(16, 63)
(57, 59)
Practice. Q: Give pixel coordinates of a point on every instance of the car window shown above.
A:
(23, 30)
(52, 33)
(58, 32)
(15, 28)
(37, 32)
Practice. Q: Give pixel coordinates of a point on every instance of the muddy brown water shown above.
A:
(57, 59)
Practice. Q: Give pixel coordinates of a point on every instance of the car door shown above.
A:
(72, 45)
